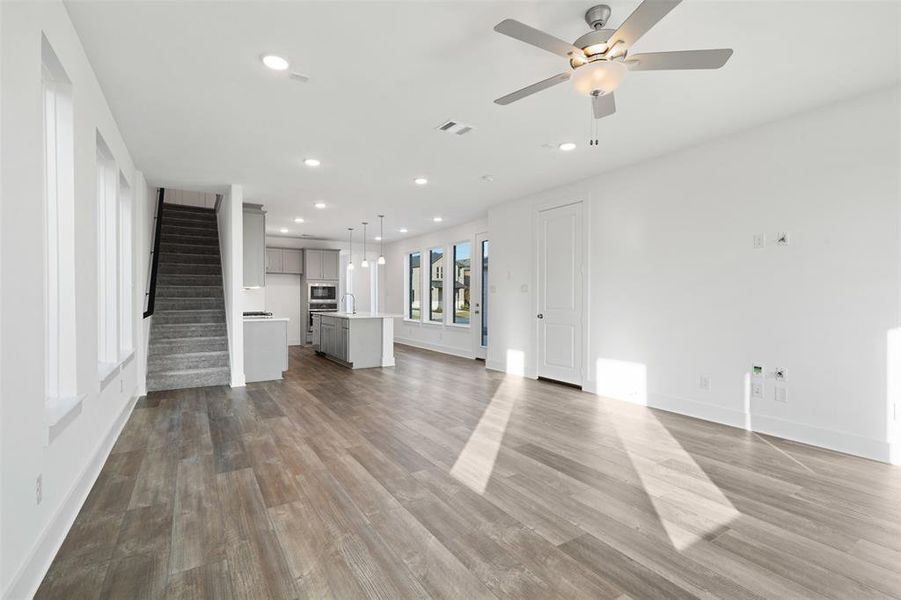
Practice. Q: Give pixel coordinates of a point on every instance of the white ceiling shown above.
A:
(199, 111)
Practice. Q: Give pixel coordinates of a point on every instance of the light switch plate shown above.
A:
(780, 394)
(758, 241)
(704, 382)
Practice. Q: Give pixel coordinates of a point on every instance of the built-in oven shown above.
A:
(325, 307)
(322, 292)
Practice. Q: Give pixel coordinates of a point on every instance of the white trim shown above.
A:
(59, 413)
(26, 580)
(838, 441)
(434, 347)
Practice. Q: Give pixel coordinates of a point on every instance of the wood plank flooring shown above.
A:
(439, 479)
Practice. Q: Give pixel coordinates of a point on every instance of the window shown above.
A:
(126, 291)
(107, 258)
(414, 281)
(436, 285)
(462, 274)
(59, 232)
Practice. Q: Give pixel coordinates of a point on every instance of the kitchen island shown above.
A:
(355, 340)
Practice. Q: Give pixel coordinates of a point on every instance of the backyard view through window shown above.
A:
(414, 282)
(462, 273)
(436, 287)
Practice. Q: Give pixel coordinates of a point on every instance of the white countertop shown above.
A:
(264, 319)
(362, 315)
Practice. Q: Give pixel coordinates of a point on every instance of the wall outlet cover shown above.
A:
(704, 382)
(780, 394)
(758, 241)
(758, 370)
(39, 489)
(783, 238)
(779, 374)
(757, 390)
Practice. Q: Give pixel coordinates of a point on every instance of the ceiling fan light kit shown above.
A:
(599, 59)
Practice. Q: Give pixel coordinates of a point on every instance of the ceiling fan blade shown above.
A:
(641, 20)
(603, 106)
(536, 37)
(685, 59)
(532, 89)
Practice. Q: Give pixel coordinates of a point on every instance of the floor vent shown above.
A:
(455, 127)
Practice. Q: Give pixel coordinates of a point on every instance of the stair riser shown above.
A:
(180, 381)
(197, 240)
(191, 228)
(182, 291)
(174, 318)
(163, 332)
(170, 248)
(185, 269)
(190, 259)
(181, 346)
(181, 209)
(179, 362)
(189, 280)
(164, 304)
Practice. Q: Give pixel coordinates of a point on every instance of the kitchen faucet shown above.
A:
(353, 304)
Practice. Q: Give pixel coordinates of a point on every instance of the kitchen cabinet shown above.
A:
(254, 245)
(321, 264)
(284, 260)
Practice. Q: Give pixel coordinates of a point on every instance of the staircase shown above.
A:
(188, 337)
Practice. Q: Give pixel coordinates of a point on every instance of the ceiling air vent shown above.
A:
(454, 127)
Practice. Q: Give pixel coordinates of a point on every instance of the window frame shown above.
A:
(452, 301)
(442, 277)
(408, 299)
(106, 194)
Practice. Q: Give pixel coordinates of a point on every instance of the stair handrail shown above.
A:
(150, 294)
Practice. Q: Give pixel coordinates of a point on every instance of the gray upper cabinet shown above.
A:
(320, 264)
(254, 245)
(284, 260)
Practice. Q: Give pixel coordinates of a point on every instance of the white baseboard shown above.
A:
(238, 380)
(839, 441)
(434, 347)
(25, 582)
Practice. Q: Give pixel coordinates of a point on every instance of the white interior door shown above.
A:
(560, 293)
(479, 297)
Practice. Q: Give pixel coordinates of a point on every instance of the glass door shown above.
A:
(479, 321)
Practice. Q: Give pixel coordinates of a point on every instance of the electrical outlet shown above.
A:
(783, 238)
(758, 241)
(780, 394)
(779, 374)
(704, 382)
(39, 489)
(757, 390)
(121, 385)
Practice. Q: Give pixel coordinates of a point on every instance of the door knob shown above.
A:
(540, 316)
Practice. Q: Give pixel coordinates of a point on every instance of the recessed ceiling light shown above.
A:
(420, 181)
(378, 238)
(319, 205)
(276, 63)
(488, 178)
(567, 146)
(311, 162)
(403, 230)
(283, 230)
(437, 219)
(298, 220)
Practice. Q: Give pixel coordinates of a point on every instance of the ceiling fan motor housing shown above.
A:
(597, 16)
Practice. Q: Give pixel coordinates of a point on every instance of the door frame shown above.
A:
(478, 351)
(584, 320)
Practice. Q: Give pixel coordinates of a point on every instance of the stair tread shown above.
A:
(197, 371)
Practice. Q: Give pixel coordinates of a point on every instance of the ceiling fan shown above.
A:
(599, 59)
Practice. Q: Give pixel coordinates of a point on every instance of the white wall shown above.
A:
(451, 339)
(188, 198)
(676, 290)
(231, 248)
(70, 462)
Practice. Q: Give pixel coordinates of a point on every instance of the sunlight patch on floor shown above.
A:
(475, 464)
(623, 380)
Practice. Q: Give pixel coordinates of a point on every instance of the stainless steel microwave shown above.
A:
(323, 292)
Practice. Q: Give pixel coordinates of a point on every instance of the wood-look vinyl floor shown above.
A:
(439, 479)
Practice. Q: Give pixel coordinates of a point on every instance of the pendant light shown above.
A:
(350, 247)
(365, 263)
(381, 260)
